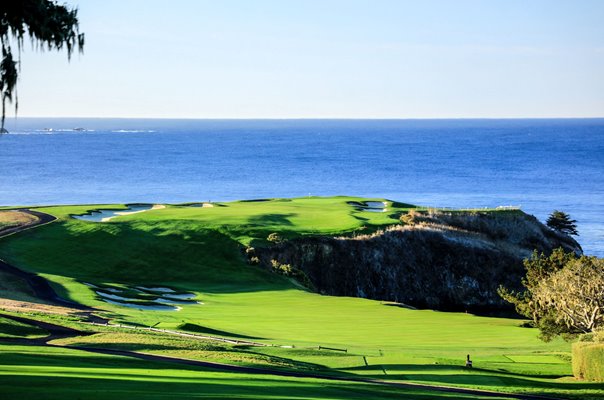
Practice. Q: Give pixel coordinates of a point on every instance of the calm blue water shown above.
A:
(541, 165)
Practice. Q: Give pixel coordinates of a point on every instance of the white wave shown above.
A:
(133, 131)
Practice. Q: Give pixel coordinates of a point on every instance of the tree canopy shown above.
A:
(49, 25)
(564, 293)
(561, 222)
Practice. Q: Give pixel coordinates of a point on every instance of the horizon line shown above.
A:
(308, 118)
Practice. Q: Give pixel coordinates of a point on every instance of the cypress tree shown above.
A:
(561, 222)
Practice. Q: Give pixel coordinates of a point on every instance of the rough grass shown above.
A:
(588, 361)
(12, 218)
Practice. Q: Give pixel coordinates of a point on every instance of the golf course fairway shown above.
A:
(199, 251)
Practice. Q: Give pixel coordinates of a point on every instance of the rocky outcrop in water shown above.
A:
(446, 261)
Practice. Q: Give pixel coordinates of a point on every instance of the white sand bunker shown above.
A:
(370, 206)
(104, 215)
(144, 297)
(201, 205)
(155, 289)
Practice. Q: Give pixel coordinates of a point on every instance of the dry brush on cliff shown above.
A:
(443, 260)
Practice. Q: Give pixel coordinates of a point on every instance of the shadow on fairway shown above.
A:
(194, 328)
(231, 387)
(176, 254)
(91, 377)
(458, 375)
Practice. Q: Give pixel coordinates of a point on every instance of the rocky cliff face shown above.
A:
(446, 261)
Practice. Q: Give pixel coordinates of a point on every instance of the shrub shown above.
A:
(411, 218)
(588, 361)
(283, 269)
(275, 238)
(292, 272)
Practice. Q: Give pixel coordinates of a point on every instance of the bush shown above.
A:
(292, 272)
(409, 218)
(588, 361)
(283, 269)
(274, 237)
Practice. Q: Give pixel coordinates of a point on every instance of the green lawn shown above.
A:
(55, 373)
(200, 250)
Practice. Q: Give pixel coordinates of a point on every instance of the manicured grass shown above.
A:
(200, 250)
(55, 373)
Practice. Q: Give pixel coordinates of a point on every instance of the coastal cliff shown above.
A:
(437, 260)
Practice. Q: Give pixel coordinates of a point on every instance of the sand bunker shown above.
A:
(180, 296)
(104, 215)
(155, 289)
(151, 307)
(154, 298)
(200, 205)
(370, 206)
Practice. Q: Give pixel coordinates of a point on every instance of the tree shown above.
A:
(561, 222)
(49, 26)
(564, 293)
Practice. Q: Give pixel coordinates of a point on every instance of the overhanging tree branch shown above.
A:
(49, 25)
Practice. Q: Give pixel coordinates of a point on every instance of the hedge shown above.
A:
(588, 361)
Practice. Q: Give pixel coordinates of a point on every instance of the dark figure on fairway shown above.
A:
(468, 362)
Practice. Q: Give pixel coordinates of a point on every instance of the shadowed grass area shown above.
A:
(14, 329)
(15, 288)
(186, 327)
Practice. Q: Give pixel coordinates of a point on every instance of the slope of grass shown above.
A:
(14, 329)
(15, 288)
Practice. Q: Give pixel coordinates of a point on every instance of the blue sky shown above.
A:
(324, 59)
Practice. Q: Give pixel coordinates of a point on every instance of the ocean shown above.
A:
(537, 164)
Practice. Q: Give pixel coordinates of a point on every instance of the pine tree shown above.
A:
(561, 222)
